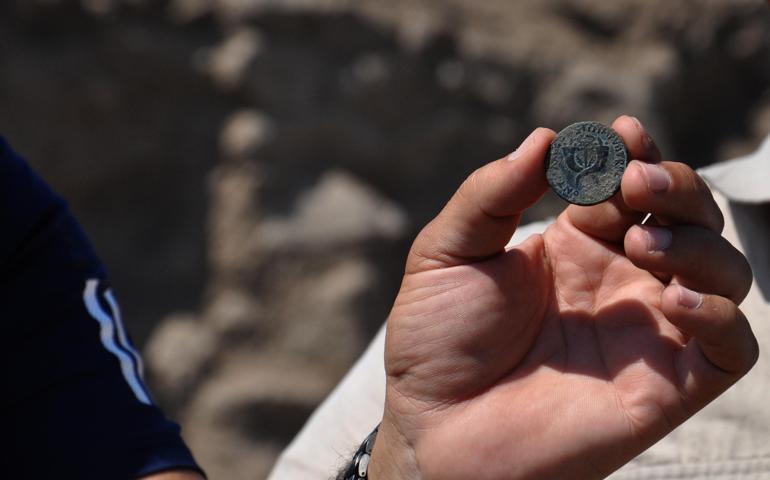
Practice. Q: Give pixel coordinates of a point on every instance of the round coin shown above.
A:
(585, 163)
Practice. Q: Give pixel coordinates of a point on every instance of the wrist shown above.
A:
(393, 457)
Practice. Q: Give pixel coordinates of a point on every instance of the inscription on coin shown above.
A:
(586, 162)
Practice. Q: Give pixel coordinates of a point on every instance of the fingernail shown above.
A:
(658, 179)
(522, 148)
(689, 298)
(658, 239)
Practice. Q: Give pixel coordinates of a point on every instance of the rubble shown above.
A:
(254, 171)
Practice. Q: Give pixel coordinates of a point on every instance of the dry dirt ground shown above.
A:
(252, 171)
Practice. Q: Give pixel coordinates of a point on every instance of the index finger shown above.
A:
(611, 219)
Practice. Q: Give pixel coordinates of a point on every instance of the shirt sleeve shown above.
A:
(332, 434)
(74, 402)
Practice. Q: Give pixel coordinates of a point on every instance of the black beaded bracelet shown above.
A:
(359, 466)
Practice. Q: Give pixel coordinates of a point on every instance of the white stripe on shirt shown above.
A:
(107, 335)
(122, 337)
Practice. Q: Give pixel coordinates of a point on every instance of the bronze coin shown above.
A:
(585, 163)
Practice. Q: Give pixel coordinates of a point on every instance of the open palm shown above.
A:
(564, 356)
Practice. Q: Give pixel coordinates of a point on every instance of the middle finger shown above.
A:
(609, 220)
(695, 257)
(673, 193)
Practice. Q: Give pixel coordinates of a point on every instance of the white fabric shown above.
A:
(744, 179)
(333, 433)
(728, 440)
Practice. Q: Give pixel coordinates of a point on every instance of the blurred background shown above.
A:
(253, 171)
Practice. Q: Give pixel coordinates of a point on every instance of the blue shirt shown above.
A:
(74, 404)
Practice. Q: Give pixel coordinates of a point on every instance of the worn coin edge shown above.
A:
(612, 131)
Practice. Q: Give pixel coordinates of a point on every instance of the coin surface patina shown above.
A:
(585, 163)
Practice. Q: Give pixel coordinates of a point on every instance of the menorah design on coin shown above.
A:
(586, 162)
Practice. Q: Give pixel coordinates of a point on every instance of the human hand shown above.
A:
(573, 352)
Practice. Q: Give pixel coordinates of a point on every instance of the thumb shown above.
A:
(482, 215)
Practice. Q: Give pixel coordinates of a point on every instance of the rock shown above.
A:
(321, 313)
(234, 193)
(264, 164)
(227, 63)
(184, 11)
(239, 420)
(244, 133)
(339, 211)
(180, 352)
(235, 313)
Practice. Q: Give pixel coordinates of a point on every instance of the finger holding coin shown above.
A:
(609, 220)
(673, 193)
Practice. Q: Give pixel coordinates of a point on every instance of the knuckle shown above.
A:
(542, 132)
(701, 193)
(691, 244)
(475, 177)
(684, 177)
(422, 254)
(635, 243)
(722, 316)
(470, 186)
